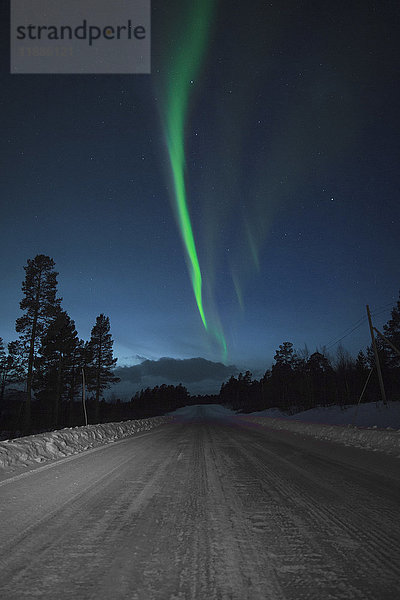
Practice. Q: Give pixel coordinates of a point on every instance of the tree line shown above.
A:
(49, 358)
(299, 380)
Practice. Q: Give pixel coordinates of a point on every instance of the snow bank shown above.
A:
(334, 423)
(43, 447)
(371, 414)
(368, 438)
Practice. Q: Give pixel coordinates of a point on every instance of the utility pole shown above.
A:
(378, 366)
(83, 396)
(387, 341)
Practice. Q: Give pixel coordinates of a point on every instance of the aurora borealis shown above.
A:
(184, 70)
(260, 157)
(185, 66)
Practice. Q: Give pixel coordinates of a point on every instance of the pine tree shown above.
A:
(77, 363)
(320, 376)
(12, 365)
(3, 372)
(56, 360)
(2, 353)
(392, 332)
(40, 303)
(285, 356)
(362, 363)
(283, 372)
(100, 360)
(345, 370)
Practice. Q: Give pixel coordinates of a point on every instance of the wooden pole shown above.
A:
(388, 341)
(378, 366)
(83, 396)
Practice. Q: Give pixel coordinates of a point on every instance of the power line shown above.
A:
(347, 334)
(382, 306)
(362, 321)
(358, 324)
(376, 314)
(351, 327)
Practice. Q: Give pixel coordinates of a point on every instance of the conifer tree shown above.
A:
(12, 365)
(320, 377)
(283, 371)
(76, 364)
(285, 357)
(40, 304)
(56, 360)
(392, 332)
(3, 371)
(100, 360)
(361, 363)
(2, 353)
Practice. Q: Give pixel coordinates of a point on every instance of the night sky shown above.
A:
(291, 172)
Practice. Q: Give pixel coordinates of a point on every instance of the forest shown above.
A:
(50, 378)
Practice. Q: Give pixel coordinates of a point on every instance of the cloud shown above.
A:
(124, 361)
(199, 375)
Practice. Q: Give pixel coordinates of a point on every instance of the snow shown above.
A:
(202, 411)
(39, 448)
(212, 509)
(372, 414)
(371, 426)
(334, 424)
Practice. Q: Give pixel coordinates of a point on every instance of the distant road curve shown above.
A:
(204, 508)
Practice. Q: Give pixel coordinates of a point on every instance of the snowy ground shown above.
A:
(377, 426)
(43, 447)
(208, 506)
(378, 429)
(373, 414)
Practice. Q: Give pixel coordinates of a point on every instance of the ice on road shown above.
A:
(206, 507)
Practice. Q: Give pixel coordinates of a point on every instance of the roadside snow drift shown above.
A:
(370, 414)
(378, 440)
(329, 424)
(42, 447)
(333, 424)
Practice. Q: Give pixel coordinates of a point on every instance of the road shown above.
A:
(204, 509)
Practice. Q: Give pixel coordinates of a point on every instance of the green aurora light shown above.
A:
(182, 73)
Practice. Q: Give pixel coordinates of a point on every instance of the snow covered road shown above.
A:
(204, 508)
